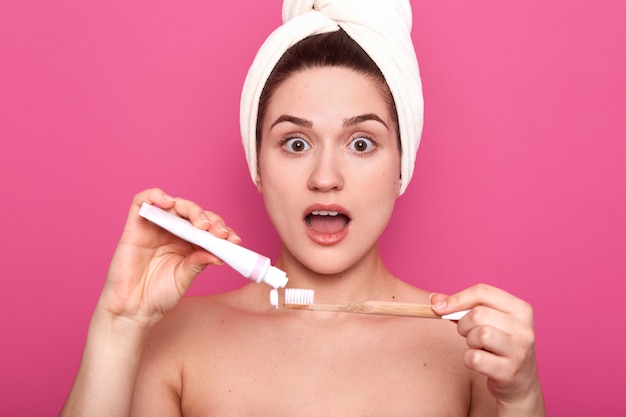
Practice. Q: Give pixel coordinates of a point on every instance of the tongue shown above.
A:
(327, 224)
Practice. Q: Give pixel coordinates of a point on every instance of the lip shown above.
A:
(321, 238)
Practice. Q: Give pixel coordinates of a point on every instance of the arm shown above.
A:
(499, 332)
(105, 380)
(150, 271)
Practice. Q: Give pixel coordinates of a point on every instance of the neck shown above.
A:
(368, 279)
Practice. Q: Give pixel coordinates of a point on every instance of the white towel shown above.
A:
(381, 27)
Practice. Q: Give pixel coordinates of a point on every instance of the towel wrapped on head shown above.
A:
(381, 27)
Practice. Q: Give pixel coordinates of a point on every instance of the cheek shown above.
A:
(275, 184)
(270, 173)
(385, 178)
(383, 186)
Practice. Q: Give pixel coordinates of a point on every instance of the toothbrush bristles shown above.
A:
(299, 296)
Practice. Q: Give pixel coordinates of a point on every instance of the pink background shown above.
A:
(520, 181)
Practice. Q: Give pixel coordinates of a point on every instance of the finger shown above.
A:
(195, 263)
(201, 258)
(203, 219)
(485, 295)
(486, 316)
(233, 236)
(496, 331)
(193, 212)
(436, 297)
(153, 196)
(508, 350)
(491, 339)
(206, 220)
(137, 229)
(187, 209)
(502, 369)
(184, 273)
(498, 368)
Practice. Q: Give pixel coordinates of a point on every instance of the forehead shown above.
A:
(330, 91)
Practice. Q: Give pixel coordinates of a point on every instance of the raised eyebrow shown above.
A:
(352, 121)
(292, 119)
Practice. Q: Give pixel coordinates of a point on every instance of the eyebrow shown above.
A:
(350, 121)
(292, 119)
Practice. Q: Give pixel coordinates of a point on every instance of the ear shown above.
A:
(398, 185)
(257, 182)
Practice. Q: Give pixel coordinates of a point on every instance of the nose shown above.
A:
(326, 172)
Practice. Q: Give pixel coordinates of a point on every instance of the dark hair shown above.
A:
(332, 49)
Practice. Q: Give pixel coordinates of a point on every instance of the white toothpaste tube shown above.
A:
(248, 263)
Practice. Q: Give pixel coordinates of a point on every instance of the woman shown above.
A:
(329, 155)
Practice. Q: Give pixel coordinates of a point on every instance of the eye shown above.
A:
(296, 145)
(362, 144)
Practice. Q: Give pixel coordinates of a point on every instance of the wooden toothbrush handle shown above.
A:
(387, 308)
(390, 308)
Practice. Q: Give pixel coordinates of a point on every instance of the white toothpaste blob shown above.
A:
(274, 298)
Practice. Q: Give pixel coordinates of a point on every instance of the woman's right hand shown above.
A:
(152, 269)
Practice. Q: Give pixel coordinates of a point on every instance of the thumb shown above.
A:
(192, 266)
(436, 297)
(439, 303)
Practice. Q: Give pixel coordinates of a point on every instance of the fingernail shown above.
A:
(221, 227)
(440, 305)
(168, 197)
(430, 297)
(205, 218)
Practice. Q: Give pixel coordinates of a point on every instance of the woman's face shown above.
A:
(329, 166)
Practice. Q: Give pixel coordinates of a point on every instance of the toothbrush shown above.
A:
(250, 264)
(303, 299)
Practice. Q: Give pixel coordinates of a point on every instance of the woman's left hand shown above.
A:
(499, 331)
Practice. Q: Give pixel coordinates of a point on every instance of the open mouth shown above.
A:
(327, 221)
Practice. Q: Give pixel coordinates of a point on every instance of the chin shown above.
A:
(330, 261)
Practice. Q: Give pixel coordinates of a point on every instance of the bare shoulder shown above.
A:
(202, 355)
(187, 335)
(194, 317)
(449, 348)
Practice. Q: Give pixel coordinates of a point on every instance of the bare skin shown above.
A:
(329, 144)
(235, 355)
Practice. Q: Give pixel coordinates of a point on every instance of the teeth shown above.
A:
(324, 213)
